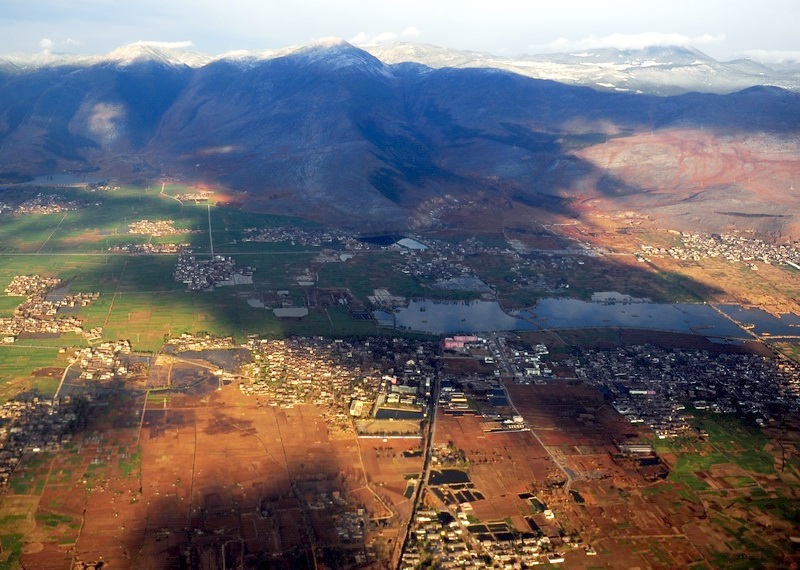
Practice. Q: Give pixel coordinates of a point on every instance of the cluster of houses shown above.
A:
(441, 539)
(344, 378)
(205, 274)
(347, 379)
(729, 247)
(41, 305)
(103, 186)
(311, 371)
(349, 520)
(526, 364)
(189, 342)
(653, 385)
(34, 425)
(102, 362)
(25, 285)
(40, 311)
(155, 228)
(441, 265)
(46, 204)
(449, 266)
(147, 248)
(196, 197)
(543, 271)
(12, 327)
(350, 526)
(302, 236)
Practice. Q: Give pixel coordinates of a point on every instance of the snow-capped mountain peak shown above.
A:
(335, 53)
(659, 70)
(143, 51)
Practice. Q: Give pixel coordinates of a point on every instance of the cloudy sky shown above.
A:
(724, 29)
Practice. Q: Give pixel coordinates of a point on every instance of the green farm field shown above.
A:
(140, 300)
(18, 364)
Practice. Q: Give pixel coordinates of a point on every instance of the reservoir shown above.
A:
(445, 317)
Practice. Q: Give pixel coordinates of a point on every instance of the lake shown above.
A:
(445, 317)
(763, 322)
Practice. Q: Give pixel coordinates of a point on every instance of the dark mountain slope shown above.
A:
(330, 132)
(75, 117)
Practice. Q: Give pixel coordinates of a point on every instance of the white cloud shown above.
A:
(772, 56)
(46, 44)
(167, 45)
(364, 39)
(105, 121)
(384, 37)
(631, 41)
(72, 42)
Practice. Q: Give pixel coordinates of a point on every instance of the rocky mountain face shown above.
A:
(331, 132)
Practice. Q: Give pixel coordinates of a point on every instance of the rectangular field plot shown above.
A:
(18, 365)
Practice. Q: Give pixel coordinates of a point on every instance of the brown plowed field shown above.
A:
(212, 474)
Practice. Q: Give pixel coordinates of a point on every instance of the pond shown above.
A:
(397, 414)
(448, 477)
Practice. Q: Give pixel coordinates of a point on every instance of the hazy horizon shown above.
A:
(507, 28)
(188, 47)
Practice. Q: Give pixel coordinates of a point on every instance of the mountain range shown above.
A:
(402, 135)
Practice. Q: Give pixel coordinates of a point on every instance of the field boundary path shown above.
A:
(55, 229)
